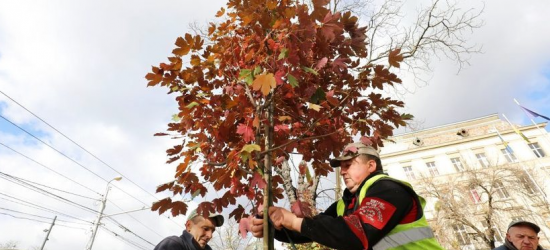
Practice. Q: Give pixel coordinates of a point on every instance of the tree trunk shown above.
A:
(268, 199)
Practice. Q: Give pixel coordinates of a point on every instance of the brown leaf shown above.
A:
(394, 58)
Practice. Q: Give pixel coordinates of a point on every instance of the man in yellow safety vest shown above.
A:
(376, 211)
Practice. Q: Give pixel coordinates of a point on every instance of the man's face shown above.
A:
(354, 171)
(523, 237)
(201, 229)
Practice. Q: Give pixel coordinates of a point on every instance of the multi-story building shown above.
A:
(477, 176)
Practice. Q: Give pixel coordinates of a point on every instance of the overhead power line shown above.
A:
(46, 186)
(81, 147)
(40, 216)
(30, 204)
(8, 147)
(125, 177)
(44, 192)
(47, 222)
(121, 238)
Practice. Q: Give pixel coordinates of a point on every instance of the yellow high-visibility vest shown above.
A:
(416, 235)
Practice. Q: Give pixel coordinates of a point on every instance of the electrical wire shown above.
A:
(46, 186)
(44, 192)
(85, 150)
(82, 149)
(120, 237)
(40, 207)
(47, 167)
(44, 217)
(149, 228)
(128, 230)
(31, 219)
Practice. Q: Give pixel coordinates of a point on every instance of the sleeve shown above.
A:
(386, 203)
(298, 238)
(169, 243)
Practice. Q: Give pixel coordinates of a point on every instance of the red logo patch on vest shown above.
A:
(375, 212)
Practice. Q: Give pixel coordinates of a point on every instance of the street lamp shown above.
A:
(99, 216)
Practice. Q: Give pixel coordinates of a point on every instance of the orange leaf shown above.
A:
(183, 49)
(220, 12)
(256, 122)
(264, 83)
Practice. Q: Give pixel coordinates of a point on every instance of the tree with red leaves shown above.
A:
(275, 77)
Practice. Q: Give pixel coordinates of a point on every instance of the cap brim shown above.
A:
(336, 161)
(217, 220)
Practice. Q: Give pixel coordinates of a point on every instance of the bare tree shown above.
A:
(11, 244)
(473, 207)
(228, 238)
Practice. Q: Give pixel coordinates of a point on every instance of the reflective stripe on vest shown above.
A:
(404, 237)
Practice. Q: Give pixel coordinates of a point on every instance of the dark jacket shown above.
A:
(184, 242)
(329, 229)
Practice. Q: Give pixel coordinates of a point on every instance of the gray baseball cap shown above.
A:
(524, 223)
(353, 150)
(217, 219)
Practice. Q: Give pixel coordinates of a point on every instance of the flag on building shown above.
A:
(534, 114)
(505, 143)
(516, 129)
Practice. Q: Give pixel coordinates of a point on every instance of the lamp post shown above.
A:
(100, 215)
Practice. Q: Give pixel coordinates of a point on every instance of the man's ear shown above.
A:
(188, 225)
(372, 165)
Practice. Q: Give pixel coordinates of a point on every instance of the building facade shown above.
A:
(477, 176)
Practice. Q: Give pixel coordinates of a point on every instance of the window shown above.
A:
(482, 160)
(457, 163)
(528, 184)
(509, 154)
(432, 168)
(537, 150)
(500, 191)
(474, 195)
(409, 172)
(461, 234)
(498, 235)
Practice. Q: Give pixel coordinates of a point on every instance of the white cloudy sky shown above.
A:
(79, 65)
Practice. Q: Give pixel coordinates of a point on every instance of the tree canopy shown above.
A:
(271, 79)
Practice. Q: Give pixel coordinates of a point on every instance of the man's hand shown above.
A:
(257, 228)
(284, 218)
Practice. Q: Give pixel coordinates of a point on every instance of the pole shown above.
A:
(543, 133)
(100, 215)
(48, 234)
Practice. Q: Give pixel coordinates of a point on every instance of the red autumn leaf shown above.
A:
(365, 140)
(246, 132)
(245, 225)
(257, 179)
(279, 160)
(282, 128)
(279, 77)
(162, 205)
(321, 63)
(301, 209)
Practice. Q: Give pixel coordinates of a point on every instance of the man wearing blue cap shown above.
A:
(198, 231)
(521, 235)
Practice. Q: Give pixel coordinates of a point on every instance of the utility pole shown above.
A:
(100, 215)
(48, 234)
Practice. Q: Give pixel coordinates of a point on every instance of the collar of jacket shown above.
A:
(192, 243)
(348, 196)
(510, 246)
